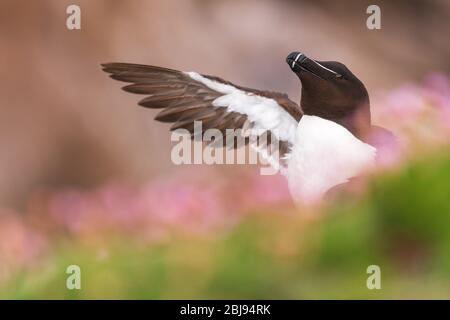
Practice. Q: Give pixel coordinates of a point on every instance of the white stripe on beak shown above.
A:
(296, 59)
(334, 72)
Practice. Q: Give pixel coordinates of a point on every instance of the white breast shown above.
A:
(324, 155)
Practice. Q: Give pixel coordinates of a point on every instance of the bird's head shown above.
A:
(331, 91)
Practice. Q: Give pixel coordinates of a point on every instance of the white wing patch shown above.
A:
(264, 113)
(324, 155)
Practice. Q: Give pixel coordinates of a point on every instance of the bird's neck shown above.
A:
(356, 119)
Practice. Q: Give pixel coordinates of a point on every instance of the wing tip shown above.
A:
(112, 67)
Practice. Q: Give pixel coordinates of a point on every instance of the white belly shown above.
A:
(324, 155)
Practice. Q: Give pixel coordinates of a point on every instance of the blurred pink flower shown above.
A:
(402, 104)
(256, 192)
(389, 148)
(438, 82)
(418, 115)
(20, 246)
(438, 92)
(68, 209)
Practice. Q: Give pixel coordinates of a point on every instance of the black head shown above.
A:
(331, 91)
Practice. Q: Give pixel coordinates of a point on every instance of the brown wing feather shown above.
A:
(185, 100)
(182, 99)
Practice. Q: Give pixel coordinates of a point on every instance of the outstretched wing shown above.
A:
(186, 97)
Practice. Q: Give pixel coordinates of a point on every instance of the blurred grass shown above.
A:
(402, 224)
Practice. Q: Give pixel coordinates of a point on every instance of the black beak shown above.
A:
(298, 63)
(295, 58)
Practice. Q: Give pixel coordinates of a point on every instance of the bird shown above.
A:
(321, 142)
